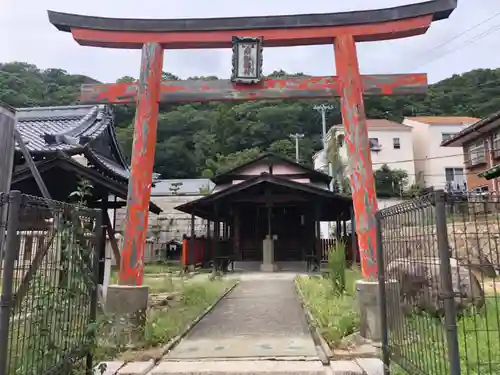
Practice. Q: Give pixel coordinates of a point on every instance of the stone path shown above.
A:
(258, 319)
(259, 328)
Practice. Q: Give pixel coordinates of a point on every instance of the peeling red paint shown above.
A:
(269, 88)
(274, 37)
(356, 137)
(143, 152)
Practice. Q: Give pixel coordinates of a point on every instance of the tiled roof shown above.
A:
(68, 129)
(444, 120)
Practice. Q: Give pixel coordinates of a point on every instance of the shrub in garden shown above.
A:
(337, 266)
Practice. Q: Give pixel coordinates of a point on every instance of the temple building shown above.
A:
(268, 211)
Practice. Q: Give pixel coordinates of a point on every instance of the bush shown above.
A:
(337, 266)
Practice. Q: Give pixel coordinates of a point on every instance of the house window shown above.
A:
(496, 145)
(374, 145)
(446, 136)
(396, 143)
(455, 179)
(476, 153)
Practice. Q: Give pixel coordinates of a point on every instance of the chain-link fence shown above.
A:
(49, 278)
(445, 265)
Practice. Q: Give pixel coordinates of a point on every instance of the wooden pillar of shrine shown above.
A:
(143, 153)
(356, 138)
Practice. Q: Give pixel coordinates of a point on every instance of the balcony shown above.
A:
(476, 158)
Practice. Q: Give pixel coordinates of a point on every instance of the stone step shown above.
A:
(239, 368)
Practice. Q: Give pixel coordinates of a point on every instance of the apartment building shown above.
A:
(480, 143)
(437, 166)
(390, 142)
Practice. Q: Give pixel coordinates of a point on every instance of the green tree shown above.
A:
(284, 147)
(223, 163)
(192, 136)
(390, 182)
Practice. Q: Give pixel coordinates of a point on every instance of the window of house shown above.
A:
(496, 145)
(396, 143)
(374, 143)
(476, 152)
(446, 136)
(455, 179)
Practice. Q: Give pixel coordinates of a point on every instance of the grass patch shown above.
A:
(166, 321)
(422, 345)
(336, 314)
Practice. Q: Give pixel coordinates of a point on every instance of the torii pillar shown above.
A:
(343, 29)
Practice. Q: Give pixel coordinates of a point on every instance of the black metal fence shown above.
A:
(443, 253)
(49, 294)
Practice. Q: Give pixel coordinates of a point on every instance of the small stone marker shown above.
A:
(136, 368)
(110, 368)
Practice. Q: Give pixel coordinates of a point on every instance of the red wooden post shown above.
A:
(360, 161)
(143, 154)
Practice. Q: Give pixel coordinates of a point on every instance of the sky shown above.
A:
(28, 36)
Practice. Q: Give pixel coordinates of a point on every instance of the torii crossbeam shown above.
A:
(342, 30)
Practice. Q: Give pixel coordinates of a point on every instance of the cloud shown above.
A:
(31, 38)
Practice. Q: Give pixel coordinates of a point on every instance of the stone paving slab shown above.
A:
(265, 346)
(240, 367)
(136, 368)
(371, 366)
(259, 318)
(345, 368)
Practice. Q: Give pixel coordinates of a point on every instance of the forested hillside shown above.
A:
(203, 138)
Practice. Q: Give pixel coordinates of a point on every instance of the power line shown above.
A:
(484, 34)
(421, 159)
(448, 41)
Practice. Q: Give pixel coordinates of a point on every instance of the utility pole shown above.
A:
(297, 136)
(323, 108)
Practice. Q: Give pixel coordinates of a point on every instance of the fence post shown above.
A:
(384, 327)
(7, 150)
(448, 294)
(8, 278)
(100, 227)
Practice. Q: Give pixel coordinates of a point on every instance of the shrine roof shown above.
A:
(73, 130)
(69, 171)
(272, 158)
(439, 9)
(332, 205)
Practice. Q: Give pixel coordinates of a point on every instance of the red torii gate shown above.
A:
(342, 30)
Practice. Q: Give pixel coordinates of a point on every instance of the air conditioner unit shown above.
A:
(376, 148)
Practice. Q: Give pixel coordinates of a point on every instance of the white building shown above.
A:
(436, 166)
(391, 143)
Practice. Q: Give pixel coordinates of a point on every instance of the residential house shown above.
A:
(437, 166)
(390, 143)
(480, 143)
